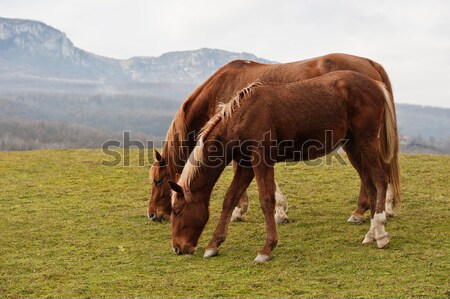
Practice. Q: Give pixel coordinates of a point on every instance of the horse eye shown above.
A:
(158, 182)
(177, 212)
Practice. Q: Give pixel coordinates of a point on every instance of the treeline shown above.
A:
(85, 119)
(31, 135)
(430, 145)
(111, 112)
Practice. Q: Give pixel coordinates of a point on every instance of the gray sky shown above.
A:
(411, 39)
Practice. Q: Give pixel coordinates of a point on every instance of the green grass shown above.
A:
(71, 227)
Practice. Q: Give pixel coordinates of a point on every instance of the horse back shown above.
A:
(318, 112)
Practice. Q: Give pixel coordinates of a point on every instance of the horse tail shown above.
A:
(389, 142)
(384, 76)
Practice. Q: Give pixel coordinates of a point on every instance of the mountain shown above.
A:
(32, 48)
(184, 66)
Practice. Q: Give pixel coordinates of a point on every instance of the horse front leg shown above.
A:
(242, 178)
(266, 185)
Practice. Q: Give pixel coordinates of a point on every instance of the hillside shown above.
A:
(73, 228)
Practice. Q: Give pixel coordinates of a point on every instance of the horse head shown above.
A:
(189, 217)
(159, 208)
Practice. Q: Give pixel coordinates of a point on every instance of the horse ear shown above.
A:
(158, 157)
(175, 187)
(177, 177)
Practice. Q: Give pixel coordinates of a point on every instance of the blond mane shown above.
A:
(173, 151)
(224, 111)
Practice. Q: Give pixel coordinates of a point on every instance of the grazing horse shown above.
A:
(269, 123)
(202, 104)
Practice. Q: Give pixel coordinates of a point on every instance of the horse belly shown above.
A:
(307, 139)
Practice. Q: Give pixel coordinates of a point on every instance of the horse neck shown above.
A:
(180, 138)
(209, 171)
(205, 181)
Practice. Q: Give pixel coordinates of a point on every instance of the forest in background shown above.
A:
(41, 120)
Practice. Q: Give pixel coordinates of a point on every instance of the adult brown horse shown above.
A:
(296, 121)
(220, 88)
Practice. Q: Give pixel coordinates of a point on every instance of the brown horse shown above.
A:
(269, 123)
(202, 104)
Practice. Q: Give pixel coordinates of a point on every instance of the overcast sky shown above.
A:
(411, 39)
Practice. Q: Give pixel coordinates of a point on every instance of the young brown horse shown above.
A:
(269, 123)
(220, 88)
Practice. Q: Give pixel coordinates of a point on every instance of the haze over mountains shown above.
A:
(53, 94)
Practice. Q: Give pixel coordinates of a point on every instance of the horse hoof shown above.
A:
(383, 241)
(391, 214)
(356, 219)
(262, 258)
(281, 219)
(236, 219)
(210, 252)
(237, 215)
(368, 239)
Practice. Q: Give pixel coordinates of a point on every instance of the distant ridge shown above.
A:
(32, 48)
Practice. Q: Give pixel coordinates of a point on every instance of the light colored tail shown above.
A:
(389, 142)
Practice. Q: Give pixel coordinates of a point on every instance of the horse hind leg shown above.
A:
(363, 199)
(362, 206)
(377, 183)
(241, 209)
(367, 162)
(281, 206)
(363, 203)
(390, 202)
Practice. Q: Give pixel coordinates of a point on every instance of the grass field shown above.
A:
(71, 227)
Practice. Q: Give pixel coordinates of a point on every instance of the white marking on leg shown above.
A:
(381, 235)
(237, 215)
(281, 206)
(261, 258)
(370, 236)
(390, 201)
(210, 252)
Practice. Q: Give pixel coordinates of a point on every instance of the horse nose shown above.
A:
(151, 216)
(176, 249)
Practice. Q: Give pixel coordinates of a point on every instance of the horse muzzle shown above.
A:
(157, 218)
(187, 249)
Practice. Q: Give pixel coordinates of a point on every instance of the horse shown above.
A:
(292, 119)
(202, 104)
